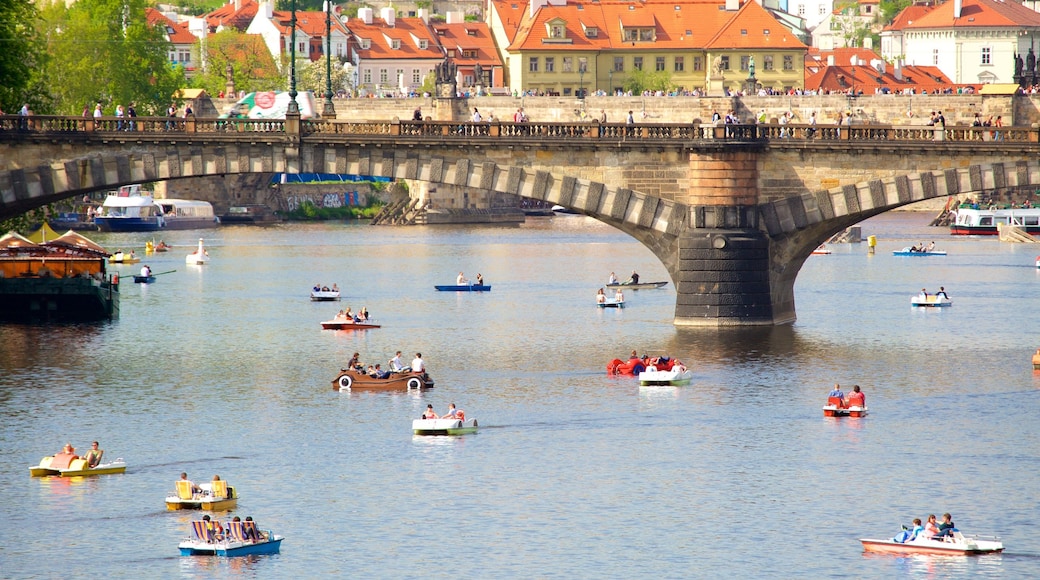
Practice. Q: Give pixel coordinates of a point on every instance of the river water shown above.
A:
(224, 370)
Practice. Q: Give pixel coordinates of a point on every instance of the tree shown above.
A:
(105, 51)
(315, 5)
(891, 8)
(311, 77)
(641, 80)
(22, 58)
(253, 67)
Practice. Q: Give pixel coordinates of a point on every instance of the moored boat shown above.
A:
(464, 288)
(215, 495)
(131, 210)
(347, 325)
(822, 249)
(956, 544)
(237, 539)
(970, 219)
(639, 286)
(71, 465)
(444, 426)
(402, 381)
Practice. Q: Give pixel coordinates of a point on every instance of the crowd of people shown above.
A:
(219, 532)
(930, 529)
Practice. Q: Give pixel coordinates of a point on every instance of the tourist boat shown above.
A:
(63, 279)
(971, 220)
(930, 301)
(639, 286)
(239, 539)
(353, 380)
(347, 325)
(444, 426)
(909, 251)
(72, 465)
(822, 249)
(956, 544)
(464, 288)
(130, 210)
(676, 376)
(144, 279)
(611, 304)
(123, 258)
(324, 295)
(199, 257)
(835, 407)
(216, 495)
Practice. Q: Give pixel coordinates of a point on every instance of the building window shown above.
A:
(532, 65)
(556, 31)
(646, 34)
(680, 64)
(400, 75)
(788, 62)
(416, 77)
(767, 62)
(659, 64)
(631, 35)
(592, 31)
(637, 63)
(935, 56)
(383, 76)
(568, 64)
(698, 64)
(823, 10)
(619, 64)
(395, 44)
(986, 55)
(424, 44)
(368, 76)
(801, 10)
(550, 64)
(744, 61)
(583, 64)
(724, 62)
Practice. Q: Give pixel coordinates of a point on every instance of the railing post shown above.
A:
(395, 126)
(189, 124)
(495, 130)
(1034, 133)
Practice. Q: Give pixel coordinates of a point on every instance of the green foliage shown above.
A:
(200, 7)
(891, 8)
(27, 222)
(311, 77)
(22, 58)
(429, 83)
(300, 5)
(105, 51)
(310, 212)
(641, 80)
(253, 66)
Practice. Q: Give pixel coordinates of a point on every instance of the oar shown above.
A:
(167, 272)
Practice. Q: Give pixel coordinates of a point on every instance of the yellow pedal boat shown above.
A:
(215, 496)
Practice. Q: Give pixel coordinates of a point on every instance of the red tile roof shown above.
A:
(228, 17)
(409, 31)
(909, 15)
(978, 13)
(177, 33)
(468, 36)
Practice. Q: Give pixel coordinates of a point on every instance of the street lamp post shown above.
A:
(329, 111)
(294, 107)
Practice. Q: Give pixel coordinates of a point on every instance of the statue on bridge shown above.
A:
(1018, 65)
(447, 79)
(1030, 62)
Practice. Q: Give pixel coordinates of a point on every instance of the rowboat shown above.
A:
(324, 295)
(70, 465)
(216, 495)
(908, 251)
(347, 325)
(639, 286)
(238, 539)
(464, 288)
(930, 301)
(611, 304)
(444, 426)
(954, 545)
(144, 279)
(405, 381)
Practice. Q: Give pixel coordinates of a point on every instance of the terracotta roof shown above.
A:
(311, 22)
(909, 15)
(816, 57)
(228, 17)
(468, 36)
(409, 31)
(175, 33)
(511, 13)
(978, 13)
(754, 27)
(867, 79)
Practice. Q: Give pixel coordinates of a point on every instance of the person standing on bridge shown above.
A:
(417, 115)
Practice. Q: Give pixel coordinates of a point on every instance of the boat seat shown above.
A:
(236, 532)
(184, 489)
(201, 531)
(836, 401)
(62, 460)
(219, 489)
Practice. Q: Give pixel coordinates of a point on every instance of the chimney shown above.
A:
(424, 15)
(387, 13)
(897, 70)
(267, 9)
(732, 5)
(956, 8)
(365, 14)
(830, 60)
(454, 17)
(536, 4)
(878, 64)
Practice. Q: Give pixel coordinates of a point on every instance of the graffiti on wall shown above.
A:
(326, 200)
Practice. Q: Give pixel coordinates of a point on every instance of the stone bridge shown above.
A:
(732, 212)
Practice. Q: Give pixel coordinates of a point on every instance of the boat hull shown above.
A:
(324, 296)
(128, 224)
(640, 286)
(834, 411)
(934, 547)
(213, 504)
(345, 325)
(230, 549)
(144, 279)
(58, 300)
(43, 470)
(907, 252)
(611, 304)
(464, 288)
(917, 302)
(355, 381)
(443, 426)
(665, 378)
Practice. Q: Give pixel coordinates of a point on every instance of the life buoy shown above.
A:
(115, 278)
(345, 381)
(414, 383)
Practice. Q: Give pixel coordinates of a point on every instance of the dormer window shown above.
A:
(471, 32)
(556, 31)
(424, 44)
(395, 44)
(366, 44)
(592, 32)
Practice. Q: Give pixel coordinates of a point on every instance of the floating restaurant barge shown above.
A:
(62, 280)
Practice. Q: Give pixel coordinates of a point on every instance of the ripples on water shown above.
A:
(223, 369)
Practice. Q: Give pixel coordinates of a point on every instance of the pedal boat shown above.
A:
(676, 377)
(236, 541)
(347, 325)
(69, 465)
(215, 496)
(324, 295)
(836, 408)
(444, 426)
(930, 301)
(611, 304)
(464, 288)
(906, 252)
(403, 381)
(955, 545)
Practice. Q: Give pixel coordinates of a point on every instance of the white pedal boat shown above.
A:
(443, 426)
(674, 378)
(956, 545)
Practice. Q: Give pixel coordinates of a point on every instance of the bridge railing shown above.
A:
(50, 124)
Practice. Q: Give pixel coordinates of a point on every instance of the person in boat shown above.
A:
(480, 279)
(324, 288)
(452, 413)
(191, 484)
(856, 398)
(216, 530)
(461, 280)
(418, 364)
(429, 414)
(133, 255)
(930, 247)
(250, 531)
(601, 298)
(946, 526)
(619, 296)
(836, 392)
(931, 529)
(355, 363)
(335, 287)
(613, 279)
(93, 456)
(915, 248)
(339, 316)
(363, 315)
(395, 363)
(371, 371)
(909, 535)
(923, 295)
(162, 245)
(634, 278)
(380, 373)
(68, 449)
(348, 314)
(942, 293)
(146, 271)
(317, 288)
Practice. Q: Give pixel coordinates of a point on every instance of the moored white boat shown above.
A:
(679, 375)
(955, 545)
(972, 220)
(444, 426)
(199, 257)
(238, 539)
(822, 249)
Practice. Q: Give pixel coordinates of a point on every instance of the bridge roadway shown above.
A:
(732, 211)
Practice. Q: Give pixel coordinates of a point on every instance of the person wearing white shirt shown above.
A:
(418, 365)
(395, 363)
